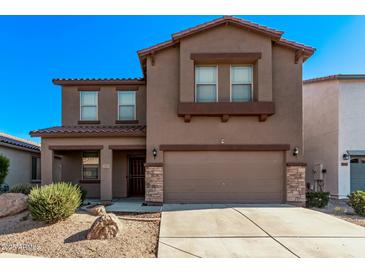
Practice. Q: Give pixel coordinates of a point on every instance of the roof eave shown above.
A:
(91, 82)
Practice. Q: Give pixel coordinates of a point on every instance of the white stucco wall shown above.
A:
(20, 169)
(352, 126)
(320, 110)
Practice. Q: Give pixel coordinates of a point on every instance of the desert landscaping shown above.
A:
(22, 235)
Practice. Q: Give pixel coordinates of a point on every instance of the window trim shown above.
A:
(230, 80)
(97, 105)
(196, 84)
(82, 166)
(135, 105)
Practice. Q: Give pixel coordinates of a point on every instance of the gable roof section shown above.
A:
(336, 77)
(275, 35)
(12, 141)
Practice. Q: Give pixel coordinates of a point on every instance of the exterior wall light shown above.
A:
(345, 156)
(154, 153)
(295, 151)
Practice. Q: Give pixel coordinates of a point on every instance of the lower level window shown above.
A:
(90, 165)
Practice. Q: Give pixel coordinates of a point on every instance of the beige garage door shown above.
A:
(224, 177)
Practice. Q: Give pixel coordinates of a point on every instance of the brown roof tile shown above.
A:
(336, 77)
(274, 34)
(90, 131)
(98, 81)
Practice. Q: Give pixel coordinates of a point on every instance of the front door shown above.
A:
(136, 175)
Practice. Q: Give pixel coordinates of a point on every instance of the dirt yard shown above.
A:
(20, 234)
(340, 209)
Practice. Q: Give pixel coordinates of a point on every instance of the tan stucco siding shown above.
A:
(225, 39)
(113, 164)
(165, 127)
(321, 120)
(20, 168)
(107, 104)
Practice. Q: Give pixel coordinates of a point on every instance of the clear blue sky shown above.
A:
(35, 49)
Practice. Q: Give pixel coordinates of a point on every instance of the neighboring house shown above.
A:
(24, 159)
(216, 118)
(334, 132)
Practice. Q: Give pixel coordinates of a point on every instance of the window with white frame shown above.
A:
(205, 84)
(241, 83)
(88, 105)
(126, 105)
(90, 165)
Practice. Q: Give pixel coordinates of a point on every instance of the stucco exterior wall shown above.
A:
(113, 164)
(225, 39)
(351, 126)
(321, 129)
(20, 169)
(163, 86)
(107, 104)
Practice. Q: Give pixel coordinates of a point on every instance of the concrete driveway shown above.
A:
(256, 232)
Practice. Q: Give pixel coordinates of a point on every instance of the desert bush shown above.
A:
(23, 188)
(4, 168)
(317, 199)
(54, 202)
(357, 202)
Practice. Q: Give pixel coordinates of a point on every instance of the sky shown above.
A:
(36, 49)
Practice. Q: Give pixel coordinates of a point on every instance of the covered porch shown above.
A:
(109, 165)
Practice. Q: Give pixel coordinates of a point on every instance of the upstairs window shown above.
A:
(241, 83)
(88, 105)
(90, 165)
(205, 84)
(126, 105)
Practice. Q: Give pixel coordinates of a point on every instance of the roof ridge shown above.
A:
(2, 134)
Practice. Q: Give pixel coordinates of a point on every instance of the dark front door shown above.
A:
(136, 175)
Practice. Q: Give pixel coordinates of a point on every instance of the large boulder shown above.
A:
(97, 210)
(104, 227)
(12, 203)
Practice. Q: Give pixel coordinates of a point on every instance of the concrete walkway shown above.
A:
(256, 231)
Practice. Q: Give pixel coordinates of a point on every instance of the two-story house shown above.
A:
(334, 133)
(217, 118)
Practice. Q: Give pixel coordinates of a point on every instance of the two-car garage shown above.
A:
(224, 176)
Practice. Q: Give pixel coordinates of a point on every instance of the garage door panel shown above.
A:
(224, 177)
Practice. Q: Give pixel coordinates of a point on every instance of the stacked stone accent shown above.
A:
(295, 184)
(154, 184)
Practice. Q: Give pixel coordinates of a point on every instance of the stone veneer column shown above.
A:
(295, 184)
(154, 183)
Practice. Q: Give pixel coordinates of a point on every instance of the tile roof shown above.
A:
(91, 131)
(18, 142)
(336, 77)
(97, 81)
(274, 34)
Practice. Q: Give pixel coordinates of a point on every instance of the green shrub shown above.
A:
(23, 188)
(54, 202)
(4, 168)
(357, 202)
(317, 199)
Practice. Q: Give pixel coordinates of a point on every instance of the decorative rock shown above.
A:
(12, 203)
(106, 226)
(98, 210)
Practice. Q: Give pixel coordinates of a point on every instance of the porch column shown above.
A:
(106, 160)
(46, 165)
